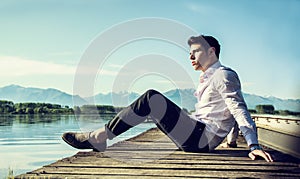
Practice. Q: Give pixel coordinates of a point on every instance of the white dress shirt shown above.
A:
(220, 104)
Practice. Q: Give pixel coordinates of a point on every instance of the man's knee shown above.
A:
(152, 92)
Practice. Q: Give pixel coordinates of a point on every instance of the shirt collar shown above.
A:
(210, 71)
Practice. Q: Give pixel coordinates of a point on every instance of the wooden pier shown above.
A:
(153, 155)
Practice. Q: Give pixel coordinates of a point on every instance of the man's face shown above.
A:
(198, 57)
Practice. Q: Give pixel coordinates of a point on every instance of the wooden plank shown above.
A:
(165, 172)
(181, 166)
(152, 154)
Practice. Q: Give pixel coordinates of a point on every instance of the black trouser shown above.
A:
(169, 118)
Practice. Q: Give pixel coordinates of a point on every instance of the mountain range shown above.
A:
(182, 97)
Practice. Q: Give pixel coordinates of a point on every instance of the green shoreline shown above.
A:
(30, 108)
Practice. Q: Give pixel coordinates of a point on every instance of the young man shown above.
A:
(220, 105)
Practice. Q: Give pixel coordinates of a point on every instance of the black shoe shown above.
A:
(81, 141)
(232, 145)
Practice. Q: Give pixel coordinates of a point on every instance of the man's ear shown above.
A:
(212, 51)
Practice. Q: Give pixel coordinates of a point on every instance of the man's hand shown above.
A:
(260, 153)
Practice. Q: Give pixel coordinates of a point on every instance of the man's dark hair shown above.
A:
(206, 41)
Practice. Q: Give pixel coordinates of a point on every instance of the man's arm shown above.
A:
(230, 91)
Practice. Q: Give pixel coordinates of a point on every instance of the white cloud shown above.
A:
(65, 53)
(90, 69)
(107, 72)
(201, 8)
(17, 66)
(115, 66)
(194, 7)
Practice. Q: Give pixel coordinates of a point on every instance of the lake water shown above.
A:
(29, 142)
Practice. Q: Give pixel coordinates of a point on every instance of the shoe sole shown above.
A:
(71, 144)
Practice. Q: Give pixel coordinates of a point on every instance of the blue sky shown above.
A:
(42, 42)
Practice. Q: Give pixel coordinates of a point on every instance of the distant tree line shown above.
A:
(8, 107)
(96, 109)
(269, 109)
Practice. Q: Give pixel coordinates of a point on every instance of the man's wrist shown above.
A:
(255, 147)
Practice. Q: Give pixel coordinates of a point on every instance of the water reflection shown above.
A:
(28, 142)
(8, 120)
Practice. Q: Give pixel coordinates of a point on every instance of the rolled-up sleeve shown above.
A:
(230, 90)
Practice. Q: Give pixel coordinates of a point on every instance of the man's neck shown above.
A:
(210, 64)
